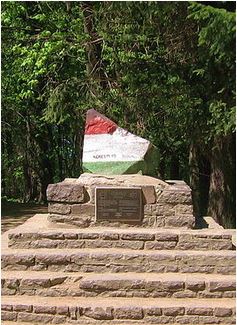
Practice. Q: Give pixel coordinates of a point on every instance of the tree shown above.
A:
(163, 70)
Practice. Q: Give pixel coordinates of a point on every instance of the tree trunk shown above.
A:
(28, 190)
(222, 182)
(204, 183)
(95, 69)
(194, 178)
(59, 153)
(45, 166)
(174, 167)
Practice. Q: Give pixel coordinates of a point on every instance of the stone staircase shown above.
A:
(101, 275)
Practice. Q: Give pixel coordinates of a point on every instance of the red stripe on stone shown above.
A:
(97, 123)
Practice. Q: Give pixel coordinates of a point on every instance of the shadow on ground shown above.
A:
(14, 214)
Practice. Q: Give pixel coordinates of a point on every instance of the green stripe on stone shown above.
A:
(114, 167)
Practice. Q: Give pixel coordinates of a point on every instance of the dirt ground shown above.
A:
(14, 214)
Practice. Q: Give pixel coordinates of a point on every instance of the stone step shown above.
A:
(45, 283)
(119, 260)
(120, 310)
(135, 238)
(113, 322)
(103, 322)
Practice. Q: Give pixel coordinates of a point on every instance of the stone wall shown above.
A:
(166, 204)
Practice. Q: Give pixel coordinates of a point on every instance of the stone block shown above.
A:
(183, 209)
(199, 311)
(30, 236)
(6, 307)
(52, 235)
(153, 311)
(79, 258)
(222, 312)
(109, 236)
(134, 236)
(196, 285)
(197, 269)
(8, 316)
(173, 285)
(229, 294)
(148, 209)
(23, 307)
(222, 286)
(48, 259)
(128, 312)
(56, 218)
(8, 292)
(172, 268)
(208, 320)
(209, 244)
(129, 244)
(83, 209)
(187, 221)
(63, 310)
(98, 313)
(187, 319)
(173, 311)
(160, 245)
(155, 268)
(149, 194)
(89, 235)
(18, 260)
(184, 294)
(59, 320)
(175, 196)
(66, 192)
(166, 237)
(81, 222)
(150, 221)
(44, 243)
(45, 310)
(59, 208)
(162, 319)
(231, 269)
(34, 318)
(159, 221)
(72, 244)
(70, 235)
(12, 283)
(164, 209)
(14, 236)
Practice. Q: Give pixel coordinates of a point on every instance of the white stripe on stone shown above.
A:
(119, 146)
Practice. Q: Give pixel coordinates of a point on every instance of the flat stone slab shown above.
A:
(65, 192)
(37, 232)
(148, 184)
(107, 309)
(119, 260)
(45, 283)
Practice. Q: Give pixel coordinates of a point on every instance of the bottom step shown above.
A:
(73, 310)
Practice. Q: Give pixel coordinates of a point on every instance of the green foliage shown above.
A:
(164, 70)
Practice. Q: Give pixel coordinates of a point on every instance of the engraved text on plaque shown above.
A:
(118, 203)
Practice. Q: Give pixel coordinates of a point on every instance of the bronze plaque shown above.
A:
(118, 203)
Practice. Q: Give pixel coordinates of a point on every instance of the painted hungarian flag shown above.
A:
(109, 149)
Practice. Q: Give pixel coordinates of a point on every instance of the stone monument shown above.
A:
(103, 253)
(109, 149)
(115, 193)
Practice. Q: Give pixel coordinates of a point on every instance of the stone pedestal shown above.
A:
(166, 204)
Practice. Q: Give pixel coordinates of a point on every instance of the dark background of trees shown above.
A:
(163, 70)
